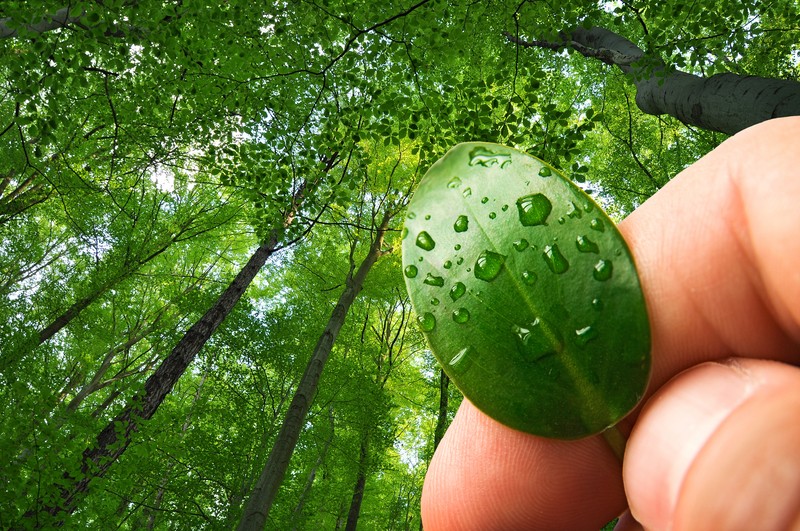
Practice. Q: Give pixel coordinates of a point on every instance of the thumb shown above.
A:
(718, 447)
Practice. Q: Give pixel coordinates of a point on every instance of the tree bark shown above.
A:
(258, 506)
(114, 439)
(724, 102)
(441, 421)
(358, 489)
(59, 19)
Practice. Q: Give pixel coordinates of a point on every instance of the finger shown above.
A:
(719, 448)
(486, 476)
(712, 260)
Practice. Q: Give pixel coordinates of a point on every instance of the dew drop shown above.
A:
(480, 156)
(457, 247)
(461, 224)
(597, 304)
(405, 233)
(484, 200)
(455, 182)
(427, 321)
(447, 264)
(555, 260)
(529, 277)
(488, 265)
(424, 241)
(410, 271)
(603, 270)
(434, 302)
(461, 361)
(492, 215)
(428, 217)
(537, 339)
(467, 192)
(460, 260)
(504, 208)
(461, 315)
(457, 291)
(597, 224)
(411, 215)
(533, 209)
(561, 221)
(585, 245)
(584, 335)
(545, 172)
(521, 245)
(433, 280)
(420, 259)
(574, 211)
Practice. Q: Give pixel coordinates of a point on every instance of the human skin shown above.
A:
(716, 443)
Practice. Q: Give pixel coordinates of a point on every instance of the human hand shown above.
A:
(716, 444)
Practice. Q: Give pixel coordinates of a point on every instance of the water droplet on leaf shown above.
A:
(410, 271)
(457, 291)
(533, 209)
(574, 211)
(433, 280)
(545, 172)
(455, 182)
(555, 260)
(603, 270)
(467, 192)
(521, 245)
(461, 315)
(484, 200)
(480, 156)
(584, 335)
(461, 361)
(529, 277)
(492, 215)
(488, 265)
(461, 224)
(424, 241)
(448, 264)
(597, 225)
(427, 321)
(585, 245)
(537, 340)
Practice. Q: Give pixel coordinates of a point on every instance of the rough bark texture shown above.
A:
(260, 502)
(726, 102)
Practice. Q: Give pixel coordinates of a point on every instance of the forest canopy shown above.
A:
(203, 321)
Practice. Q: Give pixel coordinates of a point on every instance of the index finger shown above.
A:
(718, 250)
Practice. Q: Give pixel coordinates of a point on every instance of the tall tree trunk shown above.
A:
(725, 102)
(114, 439)
(258, 506)
(358, 489)
(441, 420)
(297, 514)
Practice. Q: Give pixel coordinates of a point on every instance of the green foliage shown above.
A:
(148, 146)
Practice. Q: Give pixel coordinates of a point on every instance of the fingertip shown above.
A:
(719, 447)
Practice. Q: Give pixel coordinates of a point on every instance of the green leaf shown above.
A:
(527, 293)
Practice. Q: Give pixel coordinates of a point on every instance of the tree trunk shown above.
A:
(260, 502)
(358, 489)
(725, 102)
(114, 439)
(297, 514)
(441, 421)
